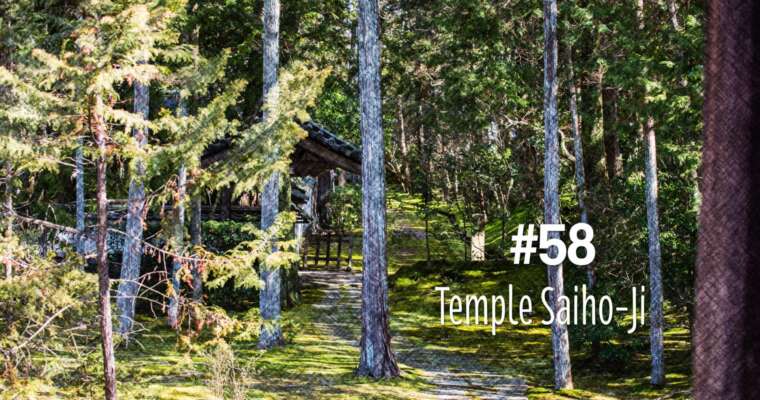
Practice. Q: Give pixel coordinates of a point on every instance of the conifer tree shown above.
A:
(77, 91)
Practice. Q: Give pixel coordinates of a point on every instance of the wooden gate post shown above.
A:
(305, 251)
(327, 257)
(319, 246)
(350, 250)
(340, 249)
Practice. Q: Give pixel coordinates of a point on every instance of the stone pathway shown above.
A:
(452, 375)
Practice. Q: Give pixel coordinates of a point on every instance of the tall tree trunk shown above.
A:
(79, 168)
(196, 238)
(655, 258)
(269, 295)
(8, 209)
(563, 378)
(178, 231)
(376, 357)
(653, 228)
(178, 246)
(133, 249)
(104, 296)
(580, 174)
(726, 334)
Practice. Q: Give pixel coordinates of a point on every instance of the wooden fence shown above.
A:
(324, 243)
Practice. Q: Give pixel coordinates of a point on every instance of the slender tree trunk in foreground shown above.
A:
(133, 250)
(580, 174)
(655, 258)
(106, 333)
(269, 295)
(563, 378)
(376, 358)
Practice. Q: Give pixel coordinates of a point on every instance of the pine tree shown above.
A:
(76, 92)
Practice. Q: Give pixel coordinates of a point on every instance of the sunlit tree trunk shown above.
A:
(376, 357)
(133, 249)
(563, 378)
(269, 295)
(104, 298)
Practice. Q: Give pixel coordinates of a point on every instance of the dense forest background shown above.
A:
(463, 124)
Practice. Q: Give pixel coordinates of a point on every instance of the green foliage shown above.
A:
(237, 263)
(344, 208)
(47, 307)
(265, 147)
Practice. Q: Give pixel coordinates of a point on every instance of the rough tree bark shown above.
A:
(269, 295)
(104, 297)
(133, 250)
(376, 358)
(580, 173)
(655, 258)
(563, 378)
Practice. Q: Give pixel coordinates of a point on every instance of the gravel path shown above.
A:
(452, 375)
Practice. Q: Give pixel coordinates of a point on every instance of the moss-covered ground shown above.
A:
(318, 361)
